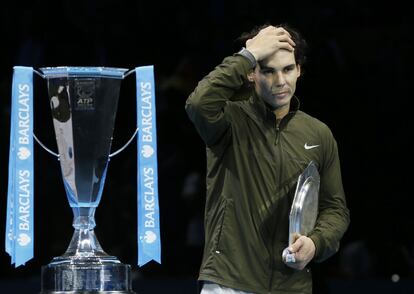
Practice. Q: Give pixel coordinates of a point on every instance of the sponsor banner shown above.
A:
(149, 242)
(19, 223)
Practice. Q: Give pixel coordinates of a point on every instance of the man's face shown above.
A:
(275, 78)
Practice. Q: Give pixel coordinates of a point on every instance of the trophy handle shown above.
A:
(110, 155)
(125, 146)
(44, 147)
(128, 73)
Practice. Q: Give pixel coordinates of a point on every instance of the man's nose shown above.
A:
(279, 79)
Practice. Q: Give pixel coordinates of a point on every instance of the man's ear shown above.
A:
(250, 76)
(299, 70)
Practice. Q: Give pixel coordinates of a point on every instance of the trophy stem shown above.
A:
(84, 218)
(84, 246)
(84, 267)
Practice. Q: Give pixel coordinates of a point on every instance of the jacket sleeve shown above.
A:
(333, 218)
(206, 105)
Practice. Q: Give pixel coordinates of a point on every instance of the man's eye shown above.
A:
(267, 71)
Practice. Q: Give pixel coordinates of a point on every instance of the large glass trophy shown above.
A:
(304, 209)
(83, 103)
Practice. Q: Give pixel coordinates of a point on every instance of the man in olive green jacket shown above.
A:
(258, 143)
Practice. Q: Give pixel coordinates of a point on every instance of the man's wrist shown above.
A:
(247, 54)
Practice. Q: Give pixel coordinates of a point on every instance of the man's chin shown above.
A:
(280, 103)
(275, 103)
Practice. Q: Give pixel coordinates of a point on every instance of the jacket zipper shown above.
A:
(277, 130)
(277, 134)
(279, 157)
(276, 142)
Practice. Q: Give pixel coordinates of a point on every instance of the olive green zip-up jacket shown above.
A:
(252, 169)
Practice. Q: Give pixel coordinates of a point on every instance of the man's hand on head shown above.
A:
(268, 41)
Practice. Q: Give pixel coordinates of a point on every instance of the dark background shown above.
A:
(357, 80)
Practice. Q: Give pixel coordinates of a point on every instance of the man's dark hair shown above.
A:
(301, 45)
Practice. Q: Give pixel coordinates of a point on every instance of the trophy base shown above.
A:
(66, 278)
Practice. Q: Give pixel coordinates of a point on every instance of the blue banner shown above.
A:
(19, 223)
(149, 239)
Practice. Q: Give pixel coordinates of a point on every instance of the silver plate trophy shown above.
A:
(84, 102)
(304, 210)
